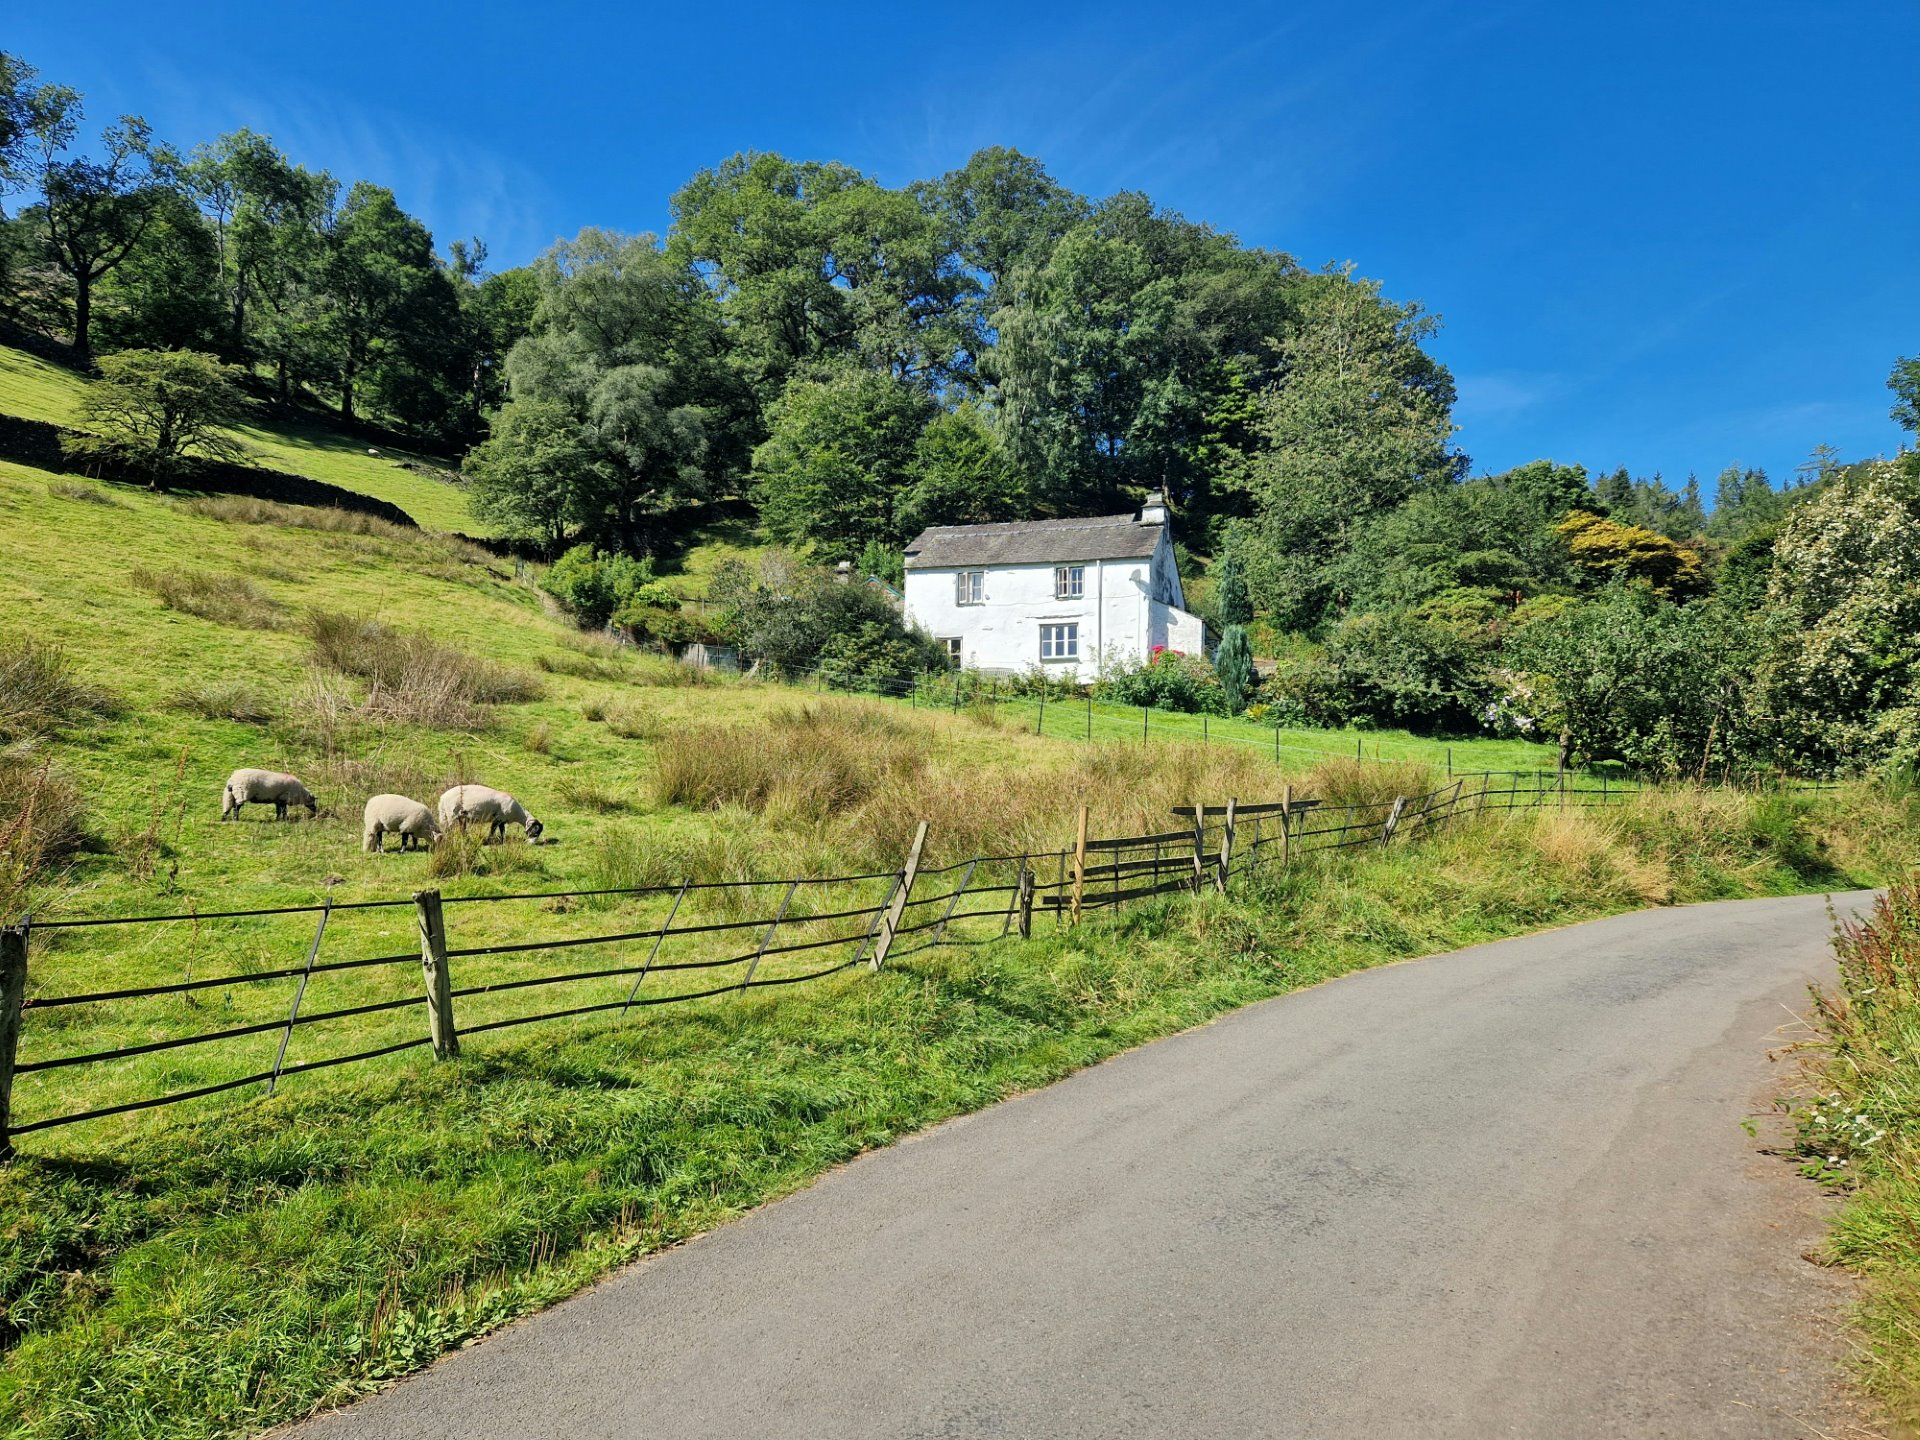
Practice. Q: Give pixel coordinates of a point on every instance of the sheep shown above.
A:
(465, 804)
(396, 814)
(264, 787)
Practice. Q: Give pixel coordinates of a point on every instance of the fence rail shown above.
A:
(692, 941)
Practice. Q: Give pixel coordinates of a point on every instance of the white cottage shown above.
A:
(1067, 594)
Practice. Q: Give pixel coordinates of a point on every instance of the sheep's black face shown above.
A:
(535, 829)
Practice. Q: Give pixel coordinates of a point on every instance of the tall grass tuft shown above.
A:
(413, 677)
(464, 851)
(43, 820)
(806, 765)
(223, 700)
(39, 694)
(224, 599)
(85, 494)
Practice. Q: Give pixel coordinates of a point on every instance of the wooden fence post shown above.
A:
(1393, 821)
(890, 921)
(1286, 826)
(1199, 846)
(1226, 847)
(1025, 899)
(13, 994)
(439, 981)
(1079, 863)
(1040, 725)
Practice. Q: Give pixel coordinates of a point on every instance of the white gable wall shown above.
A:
(1128, 607)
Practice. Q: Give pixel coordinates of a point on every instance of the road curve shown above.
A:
(1500, 1192)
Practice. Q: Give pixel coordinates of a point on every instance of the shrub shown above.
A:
(38, 693)
(1401, 668)
(1233, 663)
(1168, 681)
(224, 599)
(786, 614)
(593, 584)
(874, 655)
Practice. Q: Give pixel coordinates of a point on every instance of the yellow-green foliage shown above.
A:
(1631, 552)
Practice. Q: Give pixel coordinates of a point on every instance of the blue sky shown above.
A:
(1666, 236)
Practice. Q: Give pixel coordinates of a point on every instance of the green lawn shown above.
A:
(1101, 721)
(40, 390)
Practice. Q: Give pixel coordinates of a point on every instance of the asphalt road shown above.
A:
(1501, 1192)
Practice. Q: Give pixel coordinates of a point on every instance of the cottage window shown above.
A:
(1069, 582)
(1060, 642)
(970, 587)
(952, 642)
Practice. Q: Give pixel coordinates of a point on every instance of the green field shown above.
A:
(40, 390)
(218, 1266)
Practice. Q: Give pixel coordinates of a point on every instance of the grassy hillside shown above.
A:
(40, 390)
(214, 1267)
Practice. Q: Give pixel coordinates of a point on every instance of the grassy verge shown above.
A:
(1859, 1131)
(207, 1277)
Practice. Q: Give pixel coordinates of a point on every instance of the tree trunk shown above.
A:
(82, 318)
(1566, 747)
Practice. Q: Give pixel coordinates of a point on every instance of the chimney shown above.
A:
(1153, 510)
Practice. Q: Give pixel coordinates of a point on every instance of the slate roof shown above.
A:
(1033, 542)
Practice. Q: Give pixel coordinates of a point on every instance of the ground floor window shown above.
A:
(952, 642)
(1059, 642)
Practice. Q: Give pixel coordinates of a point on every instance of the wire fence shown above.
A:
(303, 988)
(1065, 710)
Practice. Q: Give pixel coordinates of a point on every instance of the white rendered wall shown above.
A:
(1129, 606)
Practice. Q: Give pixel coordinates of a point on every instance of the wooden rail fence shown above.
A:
(699, 947)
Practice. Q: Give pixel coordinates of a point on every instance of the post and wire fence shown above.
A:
(297, 989)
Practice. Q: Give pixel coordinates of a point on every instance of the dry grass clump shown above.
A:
(224, 599)
(223, 700)
(86, 494)
(42, 820)
(343, 781)
(1365, 783)
(806, 765)
(246, 510)
(39, 694)
(1593, 850)
(413, 677)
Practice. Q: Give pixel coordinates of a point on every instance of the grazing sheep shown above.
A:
(264, 787)
(472, 804)
(396, 814)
